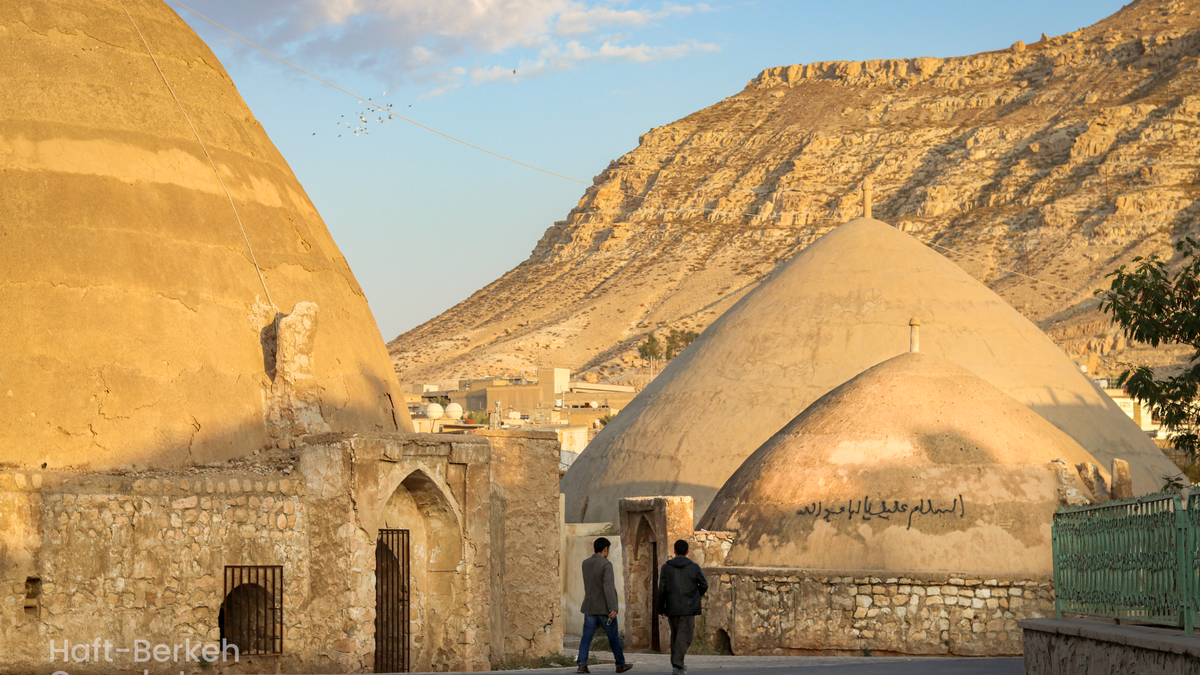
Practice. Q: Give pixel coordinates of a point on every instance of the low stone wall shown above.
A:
(577, 546)
(792, 611)
(1085, 647)
(123, 557)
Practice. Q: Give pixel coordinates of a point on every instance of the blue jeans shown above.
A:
(590, 623)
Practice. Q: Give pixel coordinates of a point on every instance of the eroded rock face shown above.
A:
(1038, 169)
(132, 329)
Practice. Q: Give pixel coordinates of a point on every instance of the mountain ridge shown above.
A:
(1038, 169)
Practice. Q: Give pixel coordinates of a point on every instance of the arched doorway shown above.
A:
(251, 612)
(417, 557)
(643, 583)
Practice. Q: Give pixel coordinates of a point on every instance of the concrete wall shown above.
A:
(794, 611)
(141, 556)
(1086, 647)
(577, 547)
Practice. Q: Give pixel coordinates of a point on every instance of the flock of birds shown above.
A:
(362, 119)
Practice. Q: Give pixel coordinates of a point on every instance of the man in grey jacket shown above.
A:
(600, 606)
(681, 584)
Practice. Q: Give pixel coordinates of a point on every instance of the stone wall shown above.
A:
(142, 556)
(578, 540)
(709, 549)
(524, 468)
(794, 611)
(1087, 647)
(126, 558)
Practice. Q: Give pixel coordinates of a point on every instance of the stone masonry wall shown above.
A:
(793, 611)
(524, 468)
(126, 557)
(709, 549)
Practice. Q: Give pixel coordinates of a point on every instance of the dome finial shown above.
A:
(914, 335)
(867, 194)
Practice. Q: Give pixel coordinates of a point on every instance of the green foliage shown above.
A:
(1154, 307)
(651, 349)
(678, 340)
(528, 662)
(600, 643)
(476, 417)
(701, 646)
(1173, 484)
(442, 401)
(606, 419)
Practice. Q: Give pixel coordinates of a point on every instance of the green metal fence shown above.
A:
(1133, 559)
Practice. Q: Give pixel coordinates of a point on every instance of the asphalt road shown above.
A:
(930, 666)
(806, 665)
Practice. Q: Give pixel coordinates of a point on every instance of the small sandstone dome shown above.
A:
(915, 464)
(454, 411)
(434, 411)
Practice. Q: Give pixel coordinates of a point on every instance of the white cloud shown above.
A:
(426, 40)
(569, 55)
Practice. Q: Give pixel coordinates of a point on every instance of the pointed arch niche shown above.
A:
(423, 506)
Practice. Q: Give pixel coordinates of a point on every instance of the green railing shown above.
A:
(1133, 559)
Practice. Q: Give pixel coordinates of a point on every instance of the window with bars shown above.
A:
(252, 613)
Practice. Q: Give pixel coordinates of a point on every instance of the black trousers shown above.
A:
(683, 630)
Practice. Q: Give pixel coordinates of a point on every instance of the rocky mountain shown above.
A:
(1038, 169)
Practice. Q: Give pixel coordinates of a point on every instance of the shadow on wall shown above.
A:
(1148, 465)
(233, 439)
(581, 505)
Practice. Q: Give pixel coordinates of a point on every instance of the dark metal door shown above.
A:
(655, 644)
(392, 602)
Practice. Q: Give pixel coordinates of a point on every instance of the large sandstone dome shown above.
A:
(135, 330)
(916, 464)
(836, 309)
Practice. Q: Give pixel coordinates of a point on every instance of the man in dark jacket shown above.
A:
(600, 606)
(681, 584)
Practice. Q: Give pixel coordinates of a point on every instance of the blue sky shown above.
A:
(426, 222)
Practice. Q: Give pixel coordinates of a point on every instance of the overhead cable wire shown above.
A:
(203, 147)
(1008, 271)
(643, 198)
(376, 105)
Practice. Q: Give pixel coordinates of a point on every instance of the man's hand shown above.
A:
(612, 615)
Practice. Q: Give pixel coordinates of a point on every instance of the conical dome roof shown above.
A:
(839, 307)
(132, 329)
(916, 464)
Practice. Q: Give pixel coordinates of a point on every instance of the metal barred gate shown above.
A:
(392, 602)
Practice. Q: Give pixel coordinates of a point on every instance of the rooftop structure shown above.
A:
(838, 308)
(915, 464)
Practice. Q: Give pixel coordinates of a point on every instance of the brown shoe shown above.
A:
(582, 668)
(624, 667)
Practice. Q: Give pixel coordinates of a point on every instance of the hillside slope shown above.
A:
(1038, 169)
